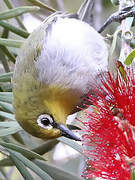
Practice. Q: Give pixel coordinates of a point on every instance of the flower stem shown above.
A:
(127, 34)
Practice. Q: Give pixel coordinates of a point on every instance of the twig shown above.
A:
(118, 17)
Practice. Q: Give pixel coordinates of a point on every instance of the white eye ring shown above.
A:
(45, 121)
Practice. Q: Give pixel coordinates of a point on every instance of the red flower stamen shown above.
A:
(109, 129)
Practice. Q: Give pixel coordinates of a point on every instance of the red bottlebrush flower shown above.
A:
(109, 129)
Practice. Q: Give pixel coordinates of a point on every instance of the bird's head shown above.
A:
(43, 114)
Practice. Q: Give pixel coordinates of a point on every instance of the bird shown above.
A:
(54, 69)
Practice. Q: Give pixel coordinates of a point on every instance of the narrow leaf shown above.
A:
(9, 124)
(11, 42)
(130, 58)
(133, 174)
(4, 61)
(17, 12)
(6, 162)
(56, 172)
(27, 153)
(21, 167)
(31, 165)
(122, 70)
(42, 149)
(6, 77)
(6, 97)
(9, 131)
(8, 53)
(14, 29)
(6, 106)
(7, 115)
(45, 147)
(10, 6)
(71, 143)
(42, 5)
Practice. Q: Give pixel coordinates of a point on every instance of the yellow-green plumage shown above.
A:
(50, 76)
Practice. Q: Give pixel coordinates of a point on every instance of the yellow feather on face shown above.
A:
(61, 102)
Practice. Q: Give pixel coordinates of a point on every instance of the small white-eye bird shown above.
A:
(55, 68)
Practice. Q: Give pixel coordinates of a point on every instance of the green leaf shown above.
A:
(8, 53)
(72, 144)
(27, 153)
(6, 97)
(42, 5)
(19, 138)
(21, 167)
(6, 162)
(5, 87)
(45, 147)
(4, 61)
(11, 42)
(17, 11)
(42, 174)
(133, 174)
(130, 58)
(9, 124)
(41, 149)
(9, 131)
(7, 115)
(122, 70)
(14, 29)
(6, 106)
(6, 77)
(56, 172)
(10, 6)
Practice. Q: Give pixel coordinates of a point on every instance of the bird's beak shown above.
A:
(67, 133)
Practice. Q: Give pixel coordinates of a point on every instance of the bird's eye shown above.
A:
(45, 121)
